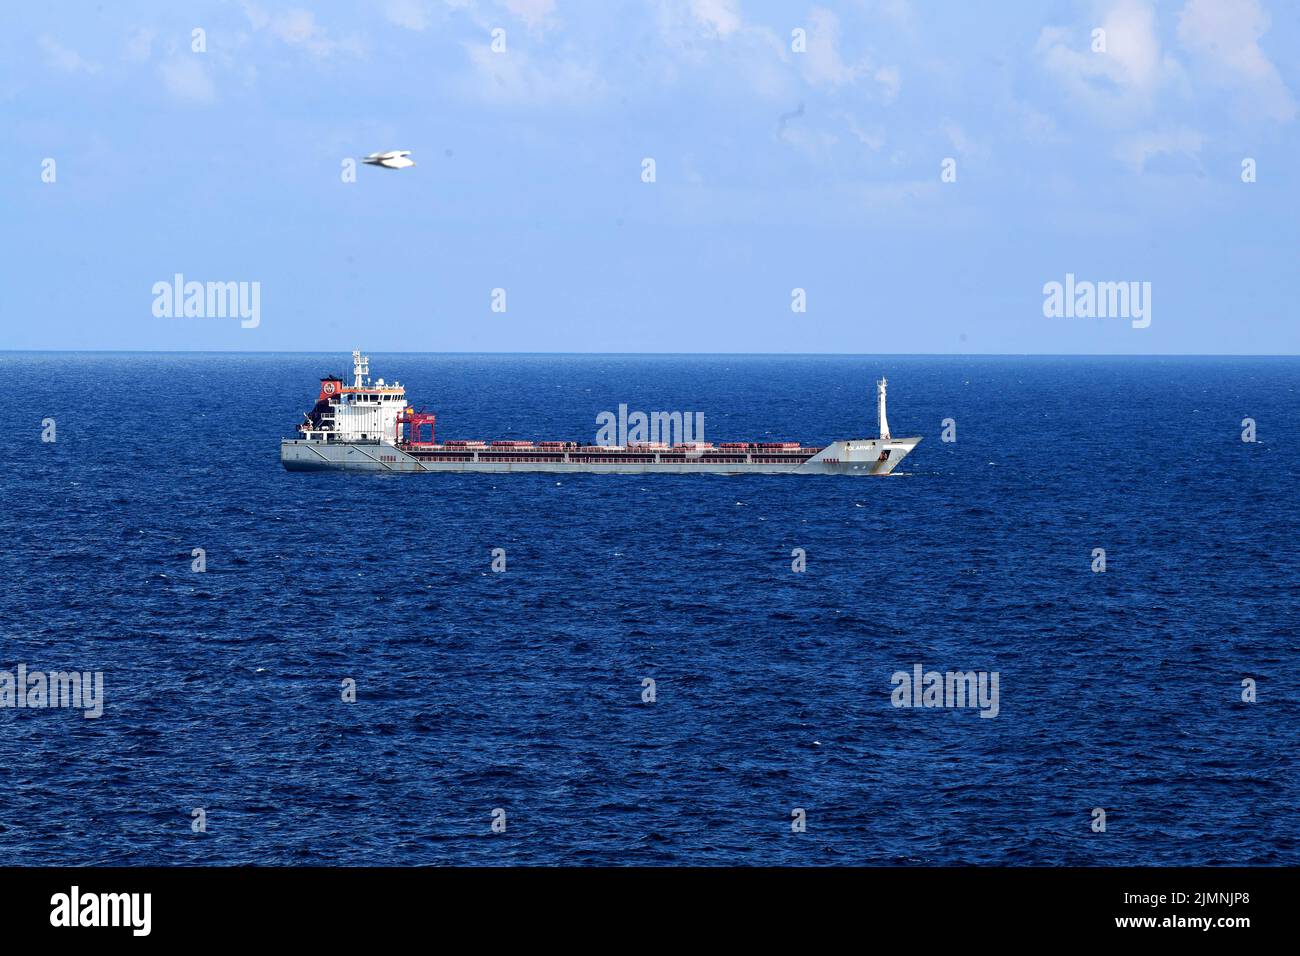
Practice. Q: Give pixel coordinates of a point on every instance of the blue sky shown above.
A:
(774, 170)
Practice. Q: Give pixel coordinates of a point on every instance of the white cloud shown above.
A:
(1134, 80)
(187, 80)
(1031, 123)
(517, 77)
(535, 13)
(962, 144)
(1224, 37)
(722, 17)
(873, 139)
(823, 64)
(1138, 150)
(711, 35)
(1132, 54)
(410, 14)
(1125, 78)
(298, 27)
(62, 58)
(890, 80)
(897, 12)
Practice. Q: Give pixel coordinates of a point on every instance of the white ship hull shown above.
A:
(871, 456)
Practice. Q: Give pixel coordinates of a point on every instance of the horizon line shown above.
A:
(209, 351)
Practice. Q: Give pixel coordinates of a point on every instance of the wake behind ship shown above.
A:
(370, 427)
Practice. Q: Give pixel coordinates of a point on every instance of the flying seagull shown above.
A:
(393, 159)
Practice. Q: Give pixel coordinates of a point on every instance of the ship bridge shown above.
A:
(364, 411)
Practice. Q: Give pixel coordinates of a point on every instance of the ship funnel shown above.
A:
(880, 402)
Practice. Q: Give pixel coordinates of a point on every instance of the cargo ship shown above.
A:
(369, 426)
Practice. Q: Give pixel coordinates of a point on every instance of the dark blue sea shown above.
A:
(522, 691)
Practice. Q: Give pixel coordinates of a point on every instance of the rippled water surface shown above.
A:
(522, 690)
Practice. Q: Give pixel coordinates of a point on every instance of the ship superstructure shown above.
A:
(369, 426)
(360, 412)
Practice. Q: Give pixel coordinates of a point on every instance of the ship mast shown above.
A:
(360, 369)
(880, 403)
